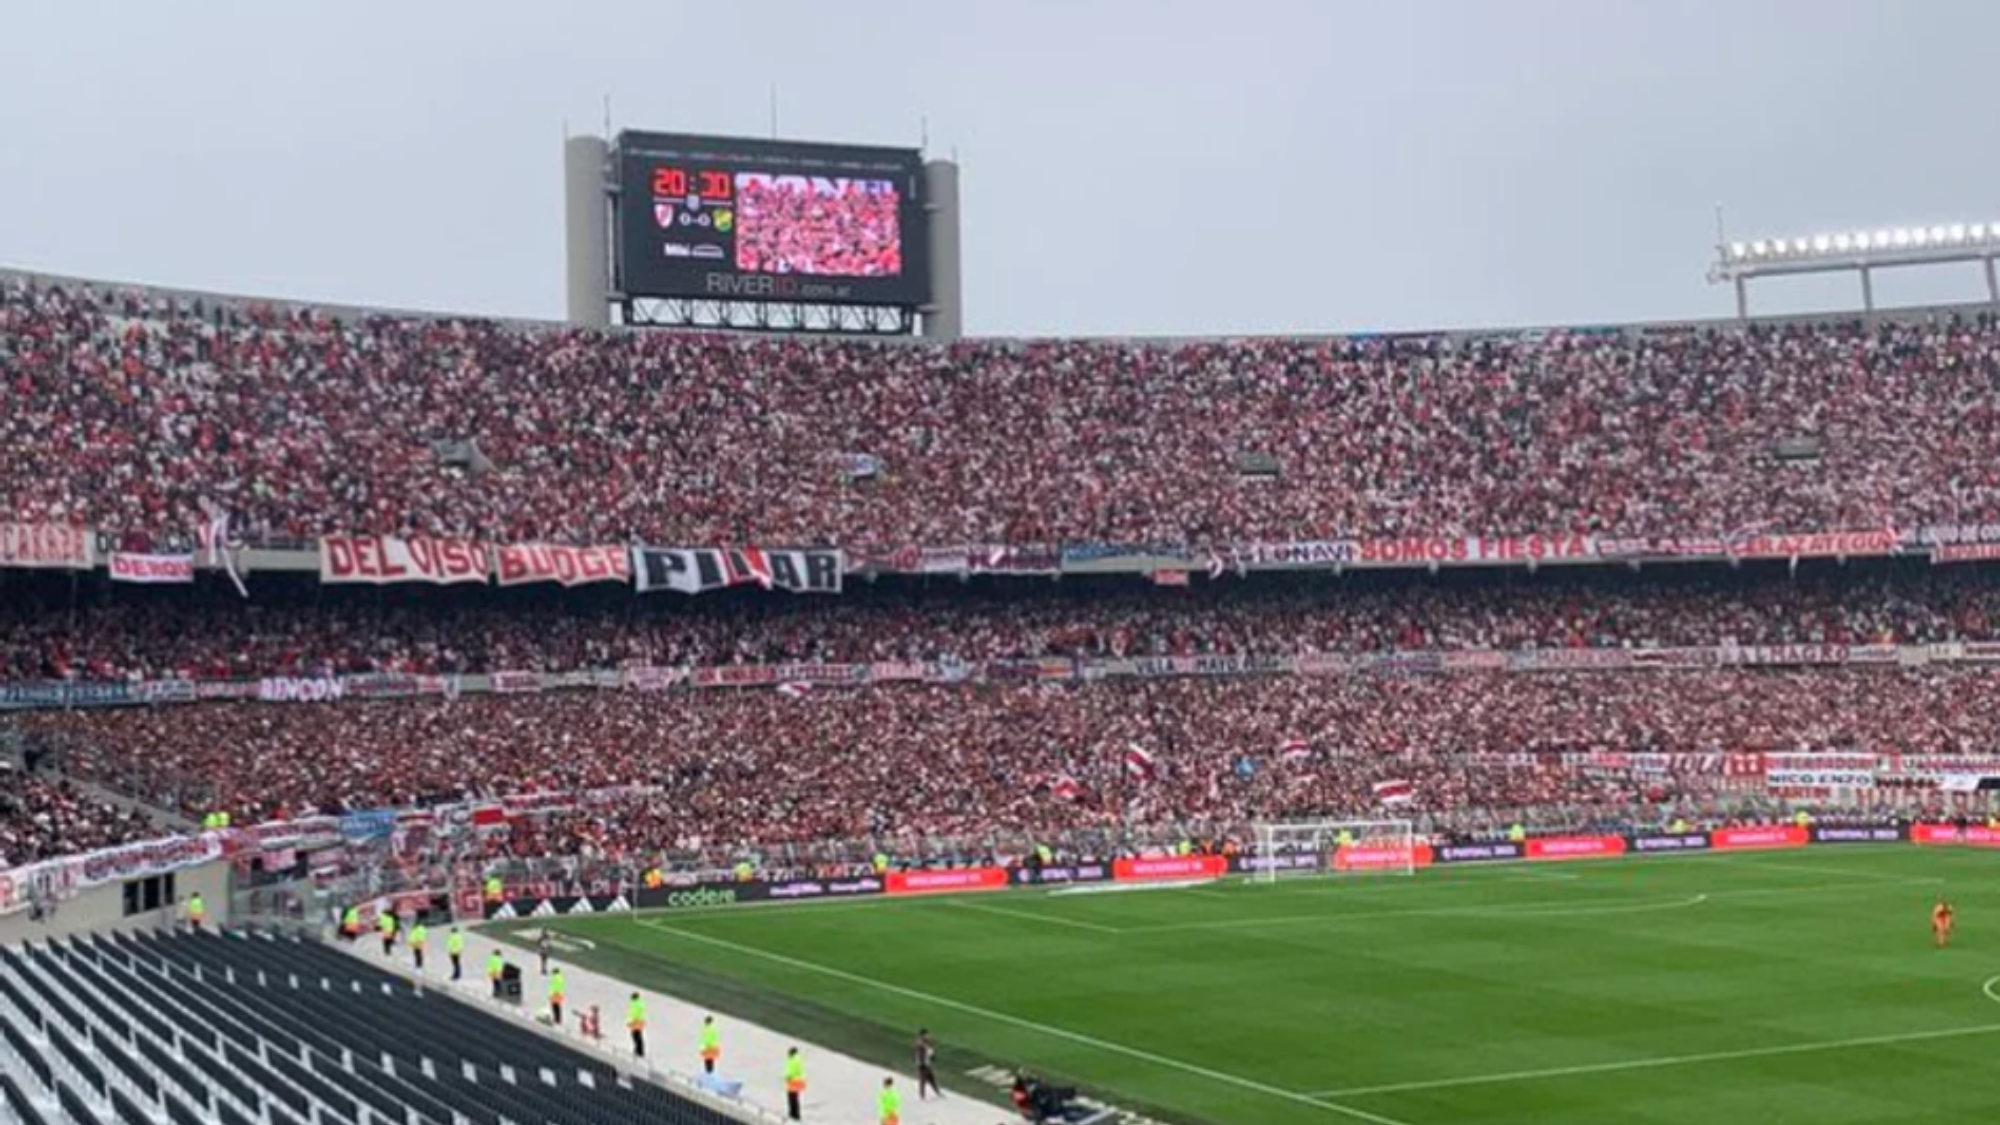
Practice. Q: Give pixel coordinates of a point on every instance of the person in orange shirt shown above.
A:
(1941, 923)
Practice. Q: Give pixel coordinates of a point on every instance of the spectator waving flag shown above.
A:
(1066, 787)
(1395, 792)
(795, 689)
(1294, 750)
(213, 536)
(1139, 763)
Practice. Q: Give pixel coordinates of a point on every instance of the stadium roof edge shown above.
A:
(10, 275)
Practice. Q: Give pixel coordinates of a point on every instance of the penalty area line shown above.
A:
(1318, 1101)
(1663, 1061)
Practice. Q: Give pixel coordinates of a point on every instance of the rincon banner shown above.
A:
(697, 570)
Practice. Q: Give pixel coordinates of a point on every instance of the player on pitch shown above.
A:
(1941, 923)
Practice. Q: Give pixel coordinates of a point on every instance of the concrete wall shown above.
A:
(102, 909)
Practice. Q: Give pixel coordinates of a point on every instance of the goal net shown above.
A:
(1326, 847)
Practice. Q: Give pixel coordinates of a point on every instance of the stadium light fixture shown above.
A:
(1861, 251)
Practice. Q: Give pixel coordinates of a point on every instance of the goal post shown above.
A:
(1286, 848)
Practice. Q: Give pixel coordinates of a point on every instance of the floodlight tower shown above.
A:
(1860, 251)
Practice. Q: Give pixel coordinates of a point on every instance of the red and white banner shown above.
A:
(1477, 549)
(1846, 544)
(152, 569)
(1964, 552)
(519, 563)
(1395, 792)
(516, 683)
(379, 560)
(47, 546)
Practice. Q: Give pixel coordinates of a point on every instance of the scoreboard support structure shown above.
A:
(716, 233)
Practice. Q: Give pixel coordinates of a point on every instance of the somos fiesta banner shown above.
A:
(379, 560)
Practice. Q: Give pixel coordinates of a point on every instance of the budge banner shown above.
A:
(521, 563)
(47, 546)
(151, 569)
(379, 560)
(697, 570)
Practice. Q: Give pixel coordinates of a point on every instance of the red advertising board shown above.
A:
(1576, 847)
(949, 880)
(1973, 835)
(1381, 857)
(1170, 867)
(1762, 836)
(382, 559)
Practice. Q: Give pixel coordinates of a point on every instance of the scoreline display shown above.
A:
(735, 219)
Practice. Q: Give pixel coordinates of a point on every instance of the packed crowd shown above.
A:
(818, 227)
(126, 410)
(49, 631)
(42, 817)
(760, 767)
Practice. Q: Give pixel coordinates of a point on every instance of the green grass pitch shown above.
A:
(1765, 988)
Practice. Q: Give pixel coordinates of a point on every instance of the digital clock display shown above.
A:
(706, 216)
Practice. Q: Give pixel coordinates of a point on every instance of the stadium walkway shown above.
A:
(840, 1089)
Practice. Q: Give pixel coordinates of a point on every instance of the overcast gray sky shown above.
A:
(1129, 167)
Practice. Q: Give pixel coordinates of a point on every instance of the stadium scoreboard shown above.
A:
(734, 219)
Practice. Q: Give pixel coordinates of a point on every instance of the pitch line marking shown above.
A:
(1222, 1076)
(1665, 1061)
(1050, 919)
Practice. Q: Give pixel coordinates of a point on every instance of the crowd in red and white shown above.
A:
(47, 631)
(758, 767)
(41, 817)
(127, 409)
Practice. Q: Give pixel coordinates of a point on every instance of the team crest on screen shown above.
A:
(663, 213)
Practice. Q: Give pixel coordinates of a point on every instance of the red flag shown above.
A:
(1138, 762)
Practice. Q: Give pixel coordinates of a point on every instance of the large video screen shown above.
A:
(739, 219)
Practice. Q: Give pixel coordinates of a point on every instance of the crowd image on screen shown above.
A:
(817, 226)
